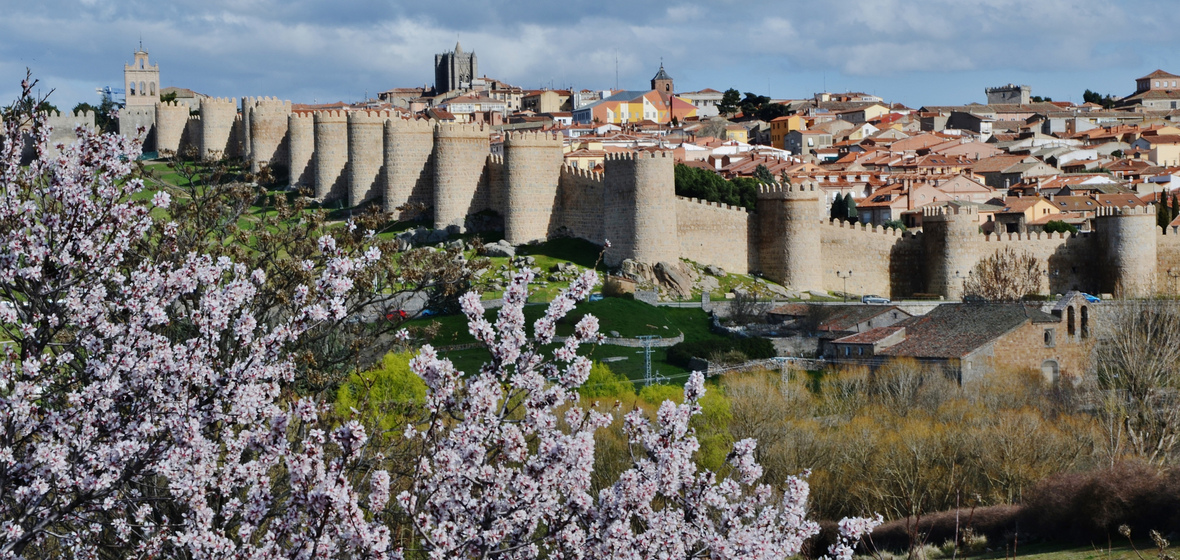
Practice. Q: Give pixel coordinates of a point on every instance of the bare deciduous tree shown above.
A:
(1004, 276)
(1138, 364)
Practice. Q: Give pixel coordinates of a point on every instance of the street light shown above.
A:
(962, 284)
(844, 277)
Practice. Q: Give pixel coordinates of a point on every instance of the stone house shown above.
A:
(970, 340)
(803, 142)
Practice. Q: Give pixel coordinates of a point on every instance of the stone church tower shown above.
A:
(142, 81)
(454, 70)
(662, 82)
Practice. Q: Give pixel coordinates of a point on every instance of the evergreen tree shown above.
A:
(763, 175)
(851, 212)
(1162, 215)
(1175, 206)
(839, 208)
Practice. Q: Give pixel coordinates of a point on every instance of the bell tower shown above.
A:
(662, 82)
(141, 81)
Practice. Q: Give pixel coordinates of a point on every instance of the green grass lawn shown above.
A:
(1058, 552)
(629, 318)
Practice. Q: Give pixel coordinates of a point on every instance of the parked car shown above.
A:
(1091, 299)
(873, 298)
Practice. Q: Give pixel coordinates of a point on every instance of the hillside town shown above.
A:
(1019, 161)
(470, 319)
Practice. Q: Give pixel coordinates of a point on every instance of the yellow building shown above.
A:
(781, 126)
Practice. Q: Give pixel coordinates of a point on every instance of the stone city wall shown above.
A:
(532, 162)
(366, 154)
(131, 119)
(460, 153)
(640, 208)
(64, 127)
(218, 119)
(580, 204)
(873, 255)
(300, 149)
(715, 233)
(409, 165)
(265, 121)
(330, 158)
(171, 121)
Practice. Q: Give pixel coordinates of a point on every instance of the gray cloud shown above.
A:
(311, 50)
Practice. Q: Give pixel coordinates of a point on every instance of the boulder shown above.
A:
(709, 284)
(499, 249)
(674, 279)
(713, 270)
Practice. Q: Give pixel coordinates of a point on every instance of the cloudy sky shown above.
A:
(917, 52)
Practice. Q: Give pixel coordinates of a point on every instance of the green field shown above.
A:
(627, 317)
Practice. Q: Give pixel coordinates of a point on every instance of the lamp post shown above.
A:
(962, 283)
(844, 277)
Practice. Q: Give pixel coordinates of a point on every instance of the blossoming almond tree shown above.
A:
(140, 413)
(503, 473)
(116, 439)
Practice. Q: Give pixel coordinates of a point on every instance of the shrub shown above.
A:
(753, 348)
(605, 383)
(1058, 226)
(1083, 506)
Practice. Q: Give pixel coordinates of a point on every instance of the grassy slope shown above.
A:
(628, 318)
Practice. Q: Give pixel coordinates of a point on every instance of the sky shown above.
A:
(917, 52)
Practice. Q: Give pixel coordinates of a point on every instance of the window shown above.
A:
(1085, 321)
(1051, 370)
(847, 350)
(1050, 338)
(860, 350)
(1070, 321)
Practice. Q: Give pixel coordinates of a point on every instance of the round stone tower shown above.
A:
(460, 155)
(300, 147)
(533, 167)
(640, 208)
(366, 136)
(1127, 244)
(171, 119)
(331, 155)
(408, 170)
(950, 239)
(789, 218)
(265, 121)
(217, 127)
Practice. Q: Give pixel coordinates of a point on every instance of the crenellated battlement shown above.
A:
(332, 115)
(461, 130)
(778, 191)
(639, 155)
(871, 229)
(578, 172)
(533, 138)
(1109, 211)
(422, 126)
(717, 205)
(369, 116)
(946, 211)
(1030, 236)
(219, 101)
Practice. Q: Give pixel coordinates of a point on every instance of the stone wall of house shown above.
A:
(532, 163)
(409, 166)
(330, 158)
(1025, 348)
(366, 155)
(717, 234)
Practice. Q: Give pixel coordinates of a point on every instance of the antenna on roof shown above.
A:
(616, 69)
